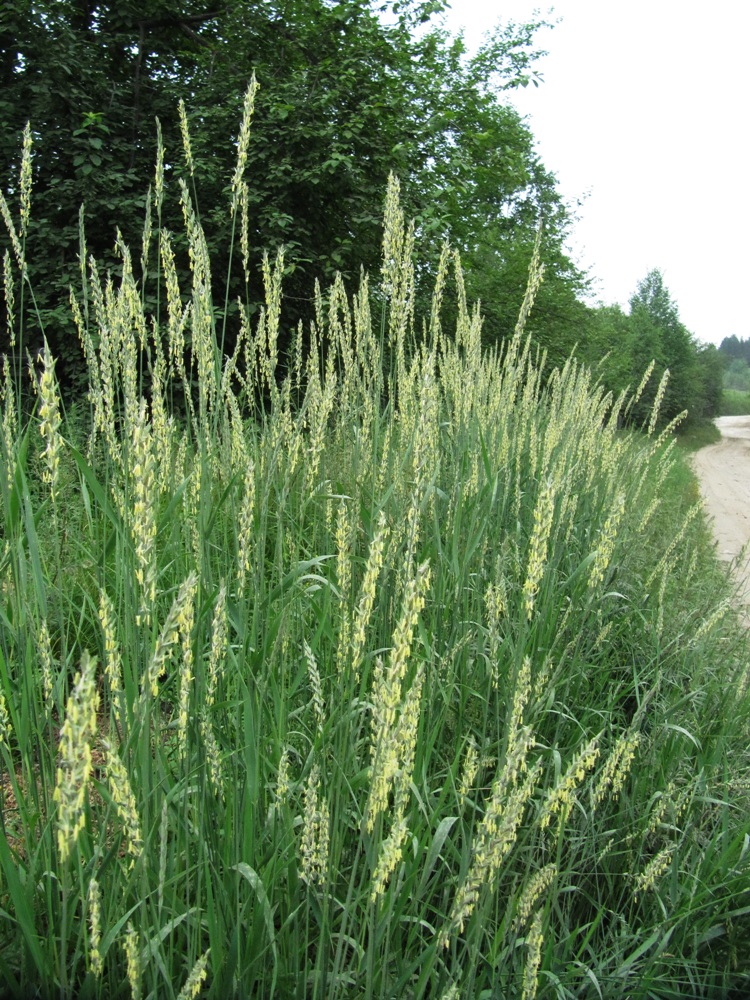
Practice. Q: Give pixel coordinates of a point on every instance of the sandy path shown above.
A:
(724, 473)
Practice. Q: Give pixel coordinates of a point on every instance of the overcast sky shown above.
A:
(644, 113)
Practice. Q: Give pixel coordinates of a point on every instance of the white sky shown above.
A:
(644, 112)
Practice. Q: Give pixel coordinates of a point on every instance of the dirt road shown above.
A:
(724, 473)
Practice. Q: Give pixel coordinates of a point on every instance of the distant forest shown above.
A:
(733, 347)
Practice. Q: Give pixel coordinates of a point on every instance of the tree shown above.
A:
(657, 332)
(736, 348)
(345, 98)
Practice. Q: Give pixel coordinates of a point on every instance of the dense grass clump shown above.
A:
(401, 672)
(734, 403)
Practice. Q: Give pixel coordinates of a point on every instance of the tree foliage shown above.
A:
(626, 344)
(734, 347)
(349, 91)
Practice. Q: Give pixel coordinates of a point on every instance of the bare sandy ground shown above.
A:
(724, 473)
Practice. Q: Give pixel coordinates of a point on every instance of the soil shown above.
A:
(723, 471)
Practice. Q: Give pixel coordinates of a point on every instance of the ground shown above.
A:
(724, 473)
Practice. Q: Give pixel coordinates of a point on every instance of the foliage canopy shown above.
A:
(350, 91)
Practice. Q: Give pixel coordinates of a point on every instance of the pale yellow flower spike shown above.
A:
(386, 696)
(5, 726)
(538, 884)
(75, 767)
(244, 140)
(367, 599)
(657, 402)
(94, 903)
(25, 184)
(543, 516)
(606, 543)
(165, 643)
(185, 623)
(560, 798)
(316, 686)
(143, 527)
(133, 959)
(534, 941)
(195, 980)
(653, 871)
(469, 772)
(50, 420)
(185, 131)
(122, 795)
(10, 226)
(10, 305)
(492, 843)
(44, 648)
(612, 776)
(314, 843)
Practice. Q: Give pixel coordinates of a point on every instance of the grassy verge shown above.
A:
(698, 434)
(419, 682)
(734, 403)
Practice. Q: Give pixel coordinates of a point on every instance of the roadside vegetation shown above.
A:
(698, 434)
(735, 397)
(389, 666)
(734, 403)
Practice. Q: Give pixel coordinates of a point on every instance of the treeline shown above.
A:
(349, 92)
(736, 355)
(622, 344)
(733, 347)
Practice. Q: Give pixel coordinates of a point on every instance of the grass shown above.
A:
(697, 434)
(734, 403)
(398, 673)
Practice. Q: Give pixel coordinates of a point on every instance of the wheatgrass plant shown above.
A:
(76, 764)
(417, 669)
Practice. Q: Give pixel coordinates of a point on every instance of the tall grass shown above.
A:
(734, 403)
(399, 672)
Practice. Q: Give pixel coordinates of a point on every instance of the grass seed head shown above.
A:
(143, 524)
(534, 941)
(166, 641)
(388, 858)
(316, 686)
(213, 756)
(537, 885)
(219, 642)
(561, 796)
(14, 241)
(50, 420)
(493, 841)
(5, 726)
(243, 142)
(94, 903)
(25, 180)
(185, 625)
(75, 761)
(606, 543)
(469, 772)
(543, 515)
(133, 961)
(185, 132)
(315, 833)
(616, 768)
(10, 299)
(195, 980)
(367, 596)
(44, 648)
(657, 402)
(124, 800)
(653, 871)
